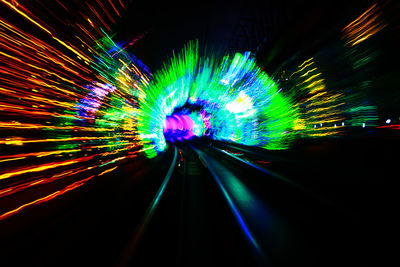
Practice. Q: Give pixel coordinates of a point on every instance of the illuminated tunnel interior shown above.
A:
(178, 127)
(216, 133)
(187, 122)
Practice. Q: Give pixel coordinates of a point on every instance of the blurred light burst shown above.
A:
(244, 105)
(69, 97)
(75, 103)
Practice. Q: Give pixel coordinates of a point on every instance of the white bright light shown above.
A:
(388, 121)
(148, 136)
(363, 125)
(241, 104)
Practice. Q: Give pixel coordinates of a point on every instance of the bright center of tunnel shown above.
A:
(184, 126)
(178, 127)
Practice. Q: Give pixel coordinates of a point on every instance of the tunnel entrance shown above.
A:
(178, 127)
(185, 123)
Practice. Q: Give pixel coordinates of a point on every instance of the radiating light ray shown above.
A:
(319, 108)
(364, 27)
(242, 104)
(68, 101)
(73, 101)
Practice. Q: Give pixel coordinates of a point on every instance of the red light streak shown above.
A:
(393, 126)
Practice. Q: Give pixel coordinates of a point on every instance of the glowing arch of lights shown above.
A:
(240, 103)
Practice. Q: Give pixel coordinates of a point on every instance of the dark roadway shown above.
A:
(203, 204)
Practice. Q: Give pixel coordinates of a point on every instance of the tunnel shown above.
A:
(211, 133)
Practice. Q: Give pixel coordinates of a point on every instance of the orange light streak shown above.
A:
(363, 27)
(24, 15)
(37, 168)
(46, 198)
(107, 171)
(37, 154)
(105, 11)
(115, 9)
(62, 175)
